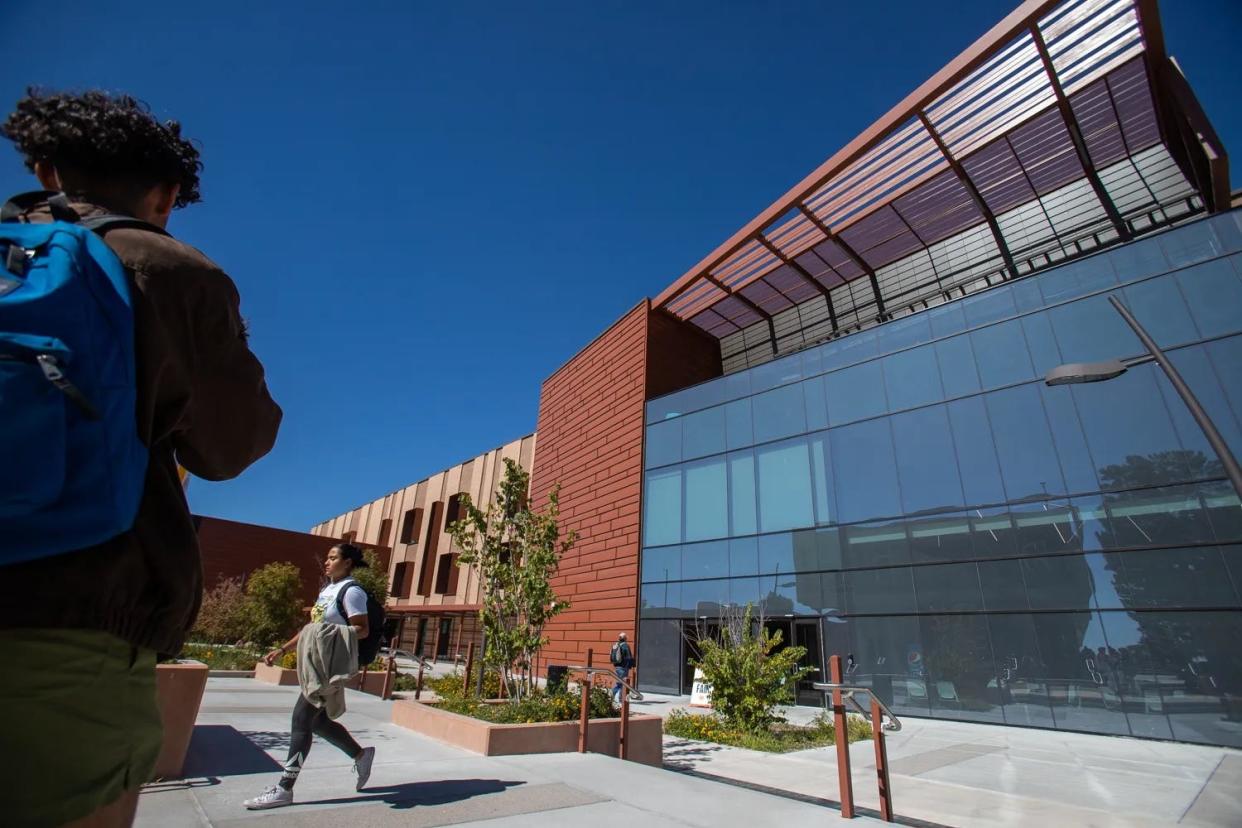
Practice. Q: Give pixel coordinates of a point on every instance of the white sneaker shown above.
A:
(362, 767)
(273, 797)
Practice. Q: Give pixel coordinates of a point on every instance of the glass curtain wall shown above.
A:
(987, 547)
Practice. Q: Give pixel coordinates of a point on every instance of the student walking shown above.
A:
(341, 609)
(622, 658)
(122, 354)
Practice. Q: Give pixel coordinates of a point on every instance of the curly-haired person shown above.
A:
(80, 631)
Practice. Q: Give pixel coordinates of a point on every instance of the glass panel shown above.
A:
(705, 560)
(976, 453)
(1196, 368)
(988, 306)
(1026, 295)
(1071, 444)
(663, 563)
(812, 362)
(961, 678)
(1059, 582)
(790, 593)
(1091, 330)
(948, 588)
(1214, 293)
(662, 656)
(865, 471)
(1045, 355)
(1129, 431)
(1171, 578)
(663, 443)
(1002, 585)
(1081, 700)
(742, 493)
(743, 556)
(689, 399)
(817, 549)
(912, 378)
(743, 591)
(1226, 356)
(704, 598)
(947, 320)
(816, 404)
(1190, 243)
(941, 539)
(855, 393)
(780, 371)
(1077, 279)
(926, 463)
(707, 500)
(902, 333)
(1159, 307)
(736, 385)
(821, 468)
(1001, 354)
(1047, 528)
(1138, 260)
(703, 433)
(957, 366)
(993, 533)
(888, 657)
(784, 486)
(874, 591)
(1171, 516)
(1023, 444)
(849, 350)
(1022, 676)
(1124, 668)
(779, 413)
(1092, 523)
(1224, 511)
(662, 508)
(776, 554)
(876, 544)
(738, 430)
(661, 601)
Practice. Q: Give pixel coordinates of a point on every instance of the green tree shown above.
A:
(373, 577)
(750, 673)
(516, 551)
(273, 603)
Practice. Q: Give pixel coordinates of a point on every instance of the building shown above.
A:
(433, 606)
(840, 417)
(839, 414)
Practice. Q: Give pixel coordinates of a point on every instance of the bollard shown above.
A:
(418, 686)
(465, 680)
(881, 761)
(844, 781)
(624, 746)
(584, 686)
(386, 693)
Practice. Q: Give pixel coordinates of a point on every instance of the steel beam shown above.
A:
(849, 251)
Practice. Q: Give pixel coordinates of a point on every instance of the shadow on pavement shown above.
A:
(413, 794)
(221, 750)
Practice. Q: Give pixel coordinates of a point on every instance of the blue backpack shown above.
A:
(72, 465)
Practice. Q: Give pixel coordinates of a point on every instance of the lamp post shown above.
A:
(1075, 373)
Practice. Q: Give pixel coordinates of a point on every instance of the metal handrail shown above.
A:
(591, 671)
(393, 651)
(847, 694)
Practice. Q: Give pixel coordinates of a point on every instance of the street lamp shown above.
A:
(1081, 372)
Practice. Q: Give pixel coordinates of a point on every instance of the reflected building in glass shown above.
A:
(839, 415)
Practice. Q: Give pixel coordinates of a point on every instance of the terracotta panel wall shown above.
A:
(232, 549)
(590, 441)
(678, 355)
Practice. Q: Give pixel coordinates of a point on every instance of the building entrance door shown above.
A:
(422, 636)
(444, 641)
(806, 634)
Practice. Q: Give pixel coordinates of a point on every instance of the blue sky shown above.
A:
(429, 207)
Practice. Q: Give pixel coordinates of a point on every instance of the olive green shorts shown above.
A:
(81, 724)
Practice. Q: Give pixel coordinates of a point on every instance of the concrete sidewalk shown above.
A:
(965, 774)
(242, 735)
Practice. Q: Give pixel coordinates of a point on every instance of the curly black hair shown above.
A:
(101, 143)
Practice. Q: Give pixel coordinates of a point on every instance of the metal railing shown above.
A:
(627, 690)
(841, 694)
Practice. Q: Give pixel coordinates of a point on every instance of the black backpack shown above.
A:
(369, 647)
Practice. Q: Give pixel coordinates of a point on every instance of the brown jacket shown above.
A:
(202, 401)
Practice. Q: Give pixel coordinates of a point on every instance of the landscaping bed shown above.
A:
(780, 737)
(221, 656)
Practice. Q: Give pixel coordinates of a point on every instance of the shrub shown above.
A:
(450, 686)
(777, 738)
(536, 707)
(373, 577)
(223, 617)
(749, 676)
(222, 657)
(289, 660)
(273, 603)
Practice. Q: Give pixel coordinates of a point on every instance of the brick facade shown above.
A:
(590, 442)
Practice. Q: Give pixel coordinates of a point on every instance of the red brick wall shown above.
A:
(230, 549)
(590, 441)
(678, 355)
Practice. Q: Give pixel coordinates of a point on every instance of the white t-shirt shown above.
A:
(325, 605)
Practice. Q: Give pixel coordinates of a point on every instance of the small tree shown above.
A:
(748, 674)
(516, 551)
(273, 602)
(223, 617)
(373, 577)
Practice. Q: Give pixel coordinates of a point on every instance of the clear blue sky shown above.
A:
(429, 207)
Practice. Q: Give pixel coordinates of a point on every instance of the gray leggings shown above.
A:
(309, 720)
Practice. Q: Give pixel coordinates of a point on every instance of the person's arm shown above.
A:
(355, 605)
(282, 649)
(361, 625)
(232, 420)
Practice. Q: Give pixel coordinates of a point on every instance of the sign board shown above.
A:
(700, 691)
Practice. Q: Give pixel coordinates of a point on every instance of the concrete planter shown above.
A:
(179, 691)
(373, 683)
(275, 675)
(645, 733)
